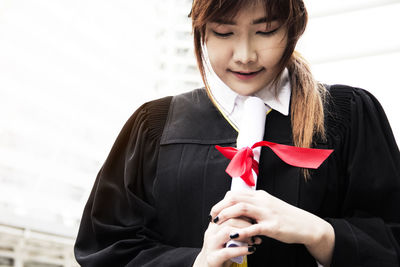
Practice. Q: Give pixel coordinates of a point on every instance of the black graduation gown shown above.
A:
(150, 201)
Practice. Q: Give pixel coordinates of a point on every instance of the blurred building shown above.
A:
(28, 248)
(176, 64)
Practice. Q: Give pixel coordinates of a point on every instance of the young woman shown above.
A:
(160, 198)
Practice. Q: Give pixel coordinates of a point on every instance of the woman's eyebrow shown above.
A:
(224, 21)
(264, 20)
(254, 22)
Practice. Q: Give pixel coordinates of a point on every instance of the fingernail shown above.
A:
(216, 219)
(209, 218)
(253, 239)
(233, 236)
(251, 249)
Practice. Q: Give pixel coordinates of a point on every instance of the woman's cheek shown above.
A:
(270, 57)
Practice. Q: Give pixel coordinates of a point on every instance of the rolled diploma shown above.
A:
(251, 130)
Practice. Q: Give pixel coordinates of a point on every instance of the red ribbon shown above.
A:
(243, 162)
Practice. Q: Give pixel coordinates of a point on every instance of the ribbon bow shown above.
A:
(243, 162)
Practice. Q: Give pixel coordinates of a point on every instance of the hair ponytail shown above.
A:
(307, 105)
(307, 111)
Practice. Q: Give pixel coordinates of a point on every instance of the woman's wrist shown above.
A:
(321, 242)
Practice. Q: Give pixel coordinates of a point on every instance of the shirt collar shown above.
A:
(278, 98)
(222, 94)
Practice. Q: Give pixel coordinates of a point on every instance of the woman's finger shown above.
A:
(234, 225)
(214, 251)
(237, 222)
(241, 209)
(265, 229)
(248, 239)
(233, 252)
(232, 198)
(216, 236)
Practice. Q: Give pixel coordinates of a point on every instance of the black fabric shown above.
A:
(150, 201)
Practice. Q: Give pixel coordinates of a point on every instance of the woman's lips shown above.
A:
(246, 75)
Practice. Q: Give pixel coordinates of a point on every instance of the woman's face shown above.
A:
(245, 52)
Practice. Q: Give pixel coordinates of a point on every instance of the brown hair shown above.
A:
(307, 114)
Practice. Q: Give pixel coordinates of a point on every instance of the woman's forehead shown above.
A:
(231, 9)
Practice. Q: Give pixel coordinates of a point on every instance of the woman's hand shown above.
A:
(279, 220)
(214, 253)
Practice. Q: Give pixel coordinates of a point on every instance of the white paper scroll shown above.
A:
(251, 130)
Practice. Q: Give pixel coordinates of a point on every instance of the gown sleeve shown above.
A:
(367, 232)
(118, 222)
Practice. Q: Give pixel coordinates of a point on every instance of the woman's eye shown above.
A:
(267, 33)
(220, 34)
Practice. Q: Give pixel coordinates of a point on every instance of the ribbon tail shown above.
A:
(297, 156)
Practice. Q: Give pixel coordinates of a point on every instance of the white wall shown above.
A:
(357, 43)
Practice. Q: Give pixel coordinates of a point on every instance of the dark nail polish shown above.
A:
(251, 249)
(253, 239)
(209, 218)
(233, 236)
(216, 219)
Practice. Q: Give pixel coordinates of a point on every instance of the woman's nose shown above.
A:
(244, 52)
